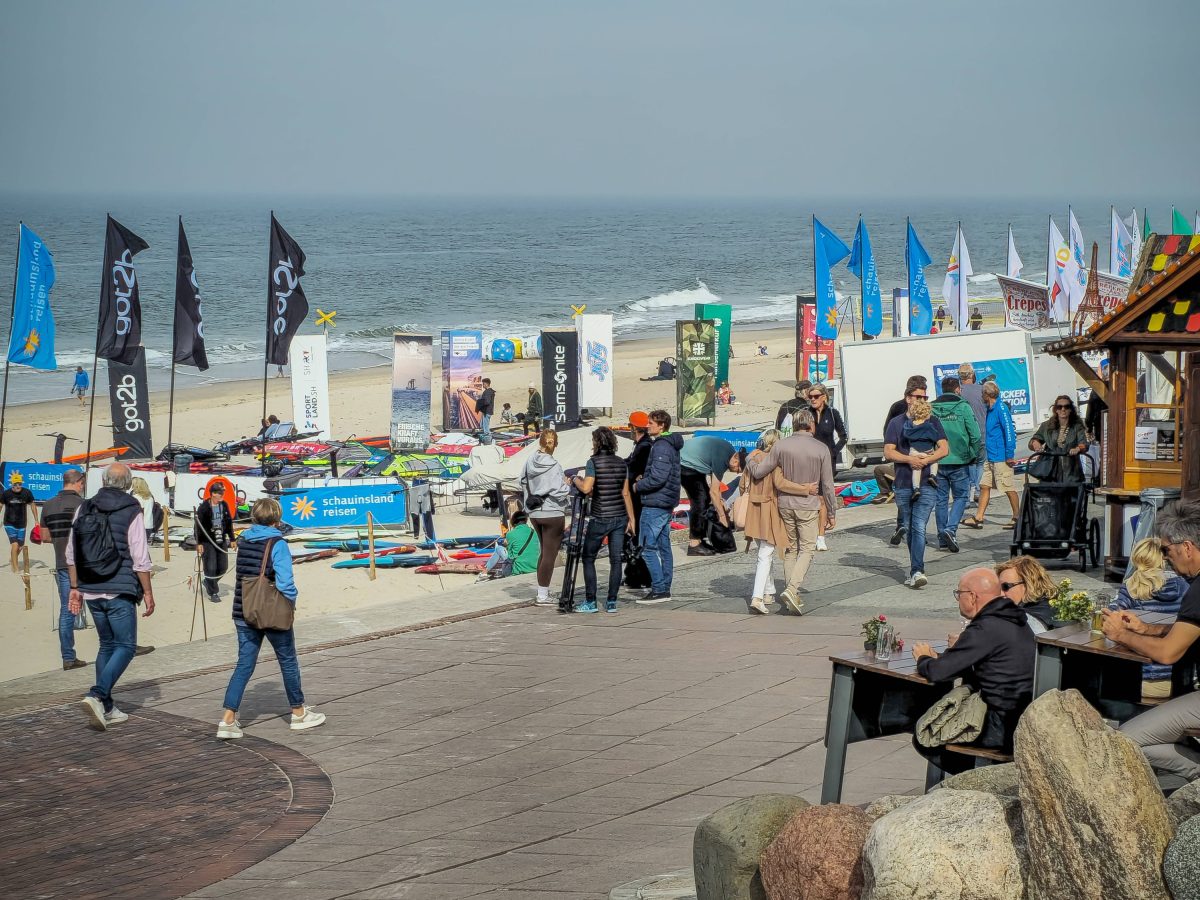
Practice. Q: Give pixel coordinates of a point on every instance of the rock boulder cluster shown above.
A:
(1078, 813)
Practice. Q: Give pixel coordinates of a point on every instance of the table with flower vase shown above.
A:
(870, 698)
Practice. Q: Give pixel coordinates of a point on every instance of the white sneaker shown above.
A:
(546, 601)
(115, 717)
(821, 542)
(227, 731)
(916, 581)
(757, 606)
(94, 710)
(791, 602)
(310, 719)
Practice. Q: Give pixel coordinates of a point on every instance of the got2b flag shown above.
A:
(695, 380)
(129, 402)
(560, 378)
(119, 334)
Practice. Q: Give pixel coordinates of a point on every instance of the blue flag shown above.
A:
(31, 342)
(920, 309)
(862, 264)
(828, 251)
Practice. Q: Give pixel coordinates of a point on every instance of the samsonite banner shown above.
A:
(462, 371)
(560, 377)
(412, 391)
(595, 360)
(336, 507)
(722, 315)
(695, 380)
(129, 402)
(310, 385)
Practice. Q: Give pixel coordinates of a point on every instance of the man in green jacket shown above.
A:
(954, 471)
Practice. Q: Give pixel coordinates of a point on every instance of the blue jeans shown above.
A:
(597, 531)
(654, 537)
(485, 428)
(249, 643)
(66, 621)
(916, 517)
(116, 626)
(958, 479)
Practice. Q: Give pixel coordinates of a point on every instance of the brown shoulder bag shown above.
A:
(263, 606)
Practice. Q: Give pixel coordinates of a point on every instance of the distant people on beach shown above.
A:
(976, 319)
(941, 317)
(725, 395)
(81, 385)
(533, 411)
(506, 414)
(18, 501)
(485, 405)
(762, 350)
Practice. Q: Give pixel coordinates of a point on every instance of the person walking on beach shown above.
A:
(954, 471)
(606, 480)
(262, 549)
(913, 510)
(81, 385)
(214, 538)
(533, 411)
(547, 500)
(765, 529)
(703, 463)
(485, 406)
(658, 489)
(830, 430)
(57, 515)
(976, 319)
(18, 501)
(972, 392)
(108, 563)
(804, 461)
(941, 318)
(787, 409)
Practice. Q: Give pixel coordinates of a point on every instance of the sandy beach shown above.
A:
(360, 402)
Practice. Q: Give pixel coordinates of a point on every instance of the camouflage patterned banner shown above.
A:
(695, 385)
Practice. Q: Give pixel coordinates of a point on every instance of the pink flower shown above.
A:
(882, 618)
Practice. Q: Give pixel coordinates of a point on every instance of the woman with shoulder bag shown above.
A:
(829, 429)
(546, 499)
(264, 568)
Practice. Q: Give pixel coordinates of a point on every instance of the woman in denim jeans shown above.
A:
(606, 480)
(263, 537)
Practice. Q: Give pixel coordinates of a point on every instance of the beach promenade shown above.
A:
(510, 753)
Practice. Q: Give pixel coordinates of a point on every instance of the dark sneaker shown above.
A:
(916, 495)
(701, 550)
(143, 649)
(949, 542)
(931, 481)
(655, 597)
(74, 664)
(898, 536)
(610, 606)
(214, 598)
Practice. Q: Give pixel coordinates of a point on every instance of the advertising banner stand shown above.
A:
(722, 314)
(595, 360)
(462, 374)
(560, 378)
(815, 356)
(899, 312)
(129, 403)
(412, 391)
(310, 385)
(695, 380)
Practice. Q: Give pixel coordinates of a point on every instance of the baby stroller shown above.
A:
(1053, 522)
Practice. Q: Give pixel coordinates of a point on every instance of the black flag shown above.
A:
(129, 400)
(189, 317)
(120, 332)
(287, 307)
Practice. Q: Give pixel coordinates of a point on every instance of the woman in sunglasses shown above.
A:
(1063, 433)
(830, 430)
(1026, 582)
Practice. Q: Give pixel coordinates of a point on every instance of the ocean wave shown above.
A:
(685, 297)
(981, 278)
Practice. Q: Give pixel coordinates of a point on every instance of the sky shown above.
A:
(878, 99)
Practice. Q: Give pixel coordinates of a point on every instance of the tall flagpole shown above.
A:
(1112, 215)
(1008, 267)
(1049, 259)
(12, 316)
(87, 460)
(962, 278)
(174, 326)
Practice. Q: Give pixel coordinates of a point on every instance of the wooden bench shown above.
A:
(990, 756)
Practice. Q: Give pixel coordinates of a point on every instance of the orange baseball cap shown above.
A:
(639, 419)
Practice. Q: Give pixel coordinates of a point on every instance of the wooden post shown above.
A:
(166, 526)
(25, 577)
(371, 544)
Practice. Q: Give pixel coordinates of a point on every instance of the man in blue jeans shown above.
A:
(914, 515)
(111, 595)
(658, 489)
(57, 515)
(965, 441)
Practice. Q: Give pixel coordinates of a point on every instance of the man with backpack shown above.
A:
(109, 566)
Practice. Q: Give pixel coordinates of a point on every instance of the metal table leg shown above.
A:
(841, 697)
(1047, 669)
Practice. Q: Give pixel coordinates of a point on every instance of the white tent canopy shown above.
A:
(574, 450)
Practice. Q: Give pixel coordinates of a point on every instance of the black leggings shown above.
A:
(550, 535)
(695, 485)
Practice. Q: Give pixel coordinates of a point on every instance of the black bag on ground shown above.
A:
(637, 573)
(95, 551)
(720, 537)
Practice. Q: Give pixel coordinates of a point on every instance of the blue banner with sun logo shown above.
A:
(31, 341)
(828, 251)
(345, 507)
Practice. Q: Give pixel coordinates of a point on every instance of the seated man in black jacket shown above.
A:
(994, 655)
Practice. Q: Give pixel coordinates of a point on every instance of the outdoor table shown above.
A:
(1108, 675)
(870, 699)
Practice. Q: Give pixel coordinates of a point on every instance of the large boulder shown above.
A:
(1181, 864)
(817, 855)
(947, 844)
(1184, 803)
(881, 806)
(1095, 819)
(727, 845)
(999, 779)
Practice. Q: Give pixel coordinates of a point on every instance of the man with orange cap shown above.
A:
(637, 459)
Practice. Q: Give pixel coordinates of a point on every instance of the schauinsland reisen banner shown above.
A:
(129, 402)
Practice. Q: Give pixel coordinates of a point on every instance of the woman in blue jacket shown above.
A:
(1000, 448)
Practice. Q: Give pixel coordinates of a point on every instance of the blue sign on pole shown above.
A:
(43, 480)
(337, 507)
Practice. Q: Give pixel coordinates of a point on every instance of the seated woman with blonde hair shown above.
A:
(1025, 582)
(1150, 588)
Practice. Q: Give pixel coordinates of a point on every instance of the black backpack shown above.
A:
(96, 556)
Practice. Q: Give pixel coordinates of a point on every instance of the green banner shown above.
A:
(722, 315)
(695, 381)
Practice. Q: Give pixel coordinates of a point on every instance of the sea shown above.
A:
(509, 267)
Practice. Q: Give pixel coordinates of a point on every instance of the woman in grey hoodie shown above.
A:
(546, 499)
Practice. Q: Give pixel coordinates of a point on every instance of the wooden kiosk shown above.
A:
(1151, 437)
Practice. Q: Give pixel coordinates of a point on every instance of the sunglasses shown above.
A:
(919, 396)
(815, 396)
(1009, 585)
(1061, 406)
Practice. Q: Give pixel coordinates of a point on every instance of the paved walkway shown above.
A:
(527, 754)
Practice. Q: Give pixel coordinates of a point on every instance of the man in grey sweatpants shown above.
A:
(1160, 732)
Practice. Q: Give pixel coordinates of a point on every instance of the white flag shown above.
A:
(954, 288)
(1057, 256)
(1014, 259)
(1076, 270)
(1135, 233)
(1120, 253)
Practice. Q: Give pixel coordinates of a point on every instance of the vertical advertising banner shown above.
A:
(1026, 304)
(129, 402)
(412, 391)
(462, 372)
(560, 377)
(815, 355)
(595, 360)
(695, 380)
(310, 385)
(722, 314)
(899, 312)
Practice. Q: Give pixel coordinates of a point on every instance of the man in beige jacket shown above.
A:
(804, 460)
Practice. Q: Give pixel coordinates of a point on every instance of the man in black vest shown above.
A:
(214, 538)
(57, 515)
(112, 600)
